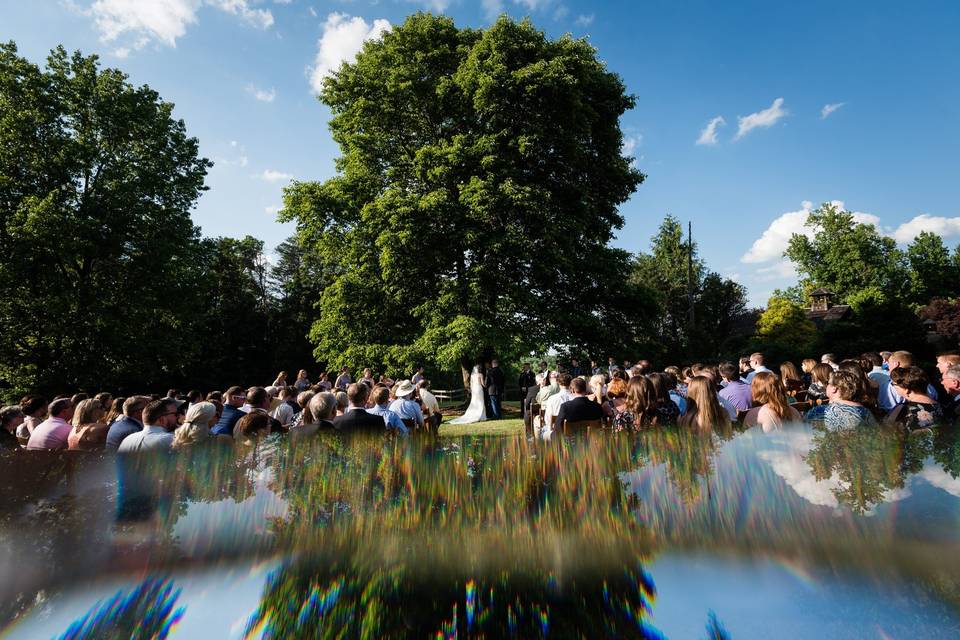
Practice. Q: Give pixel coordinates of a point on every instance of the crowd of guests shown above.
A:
(874, 387)
(237, 415)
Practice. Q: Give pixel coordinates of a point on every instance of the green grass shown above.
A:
(506, 427)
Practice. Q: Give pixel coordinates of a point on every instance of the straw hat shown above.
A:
(403, 389)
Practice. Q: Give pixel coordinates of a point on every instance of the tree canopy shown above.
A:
(97, 179)
(474, 200)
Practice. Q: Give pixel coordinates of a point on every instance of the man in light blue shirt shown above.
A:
(160, 421)
(381, 396)
(756, 363)
(404, 406)
(887, 397)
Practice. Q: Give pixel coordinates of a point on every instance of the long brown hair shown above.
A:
(641, 400)
(768, 391)
(788, 371)
(703, 406)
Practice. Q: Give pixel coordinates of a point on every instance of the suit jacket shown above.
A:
(527, 380)
(357, 419)
(228, 421)
(120, 429)
(496, 381)
(578, 409)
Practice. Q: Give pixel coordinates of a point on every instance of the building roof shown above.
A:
(837, 312)
(822, 292)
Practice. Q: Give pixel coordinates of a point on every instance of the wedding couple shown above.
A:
(484, 387)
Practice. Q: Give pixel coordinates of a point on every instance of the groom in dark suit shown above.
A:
(496, 381)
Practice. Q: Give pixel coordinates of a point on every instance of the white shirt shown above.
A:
(284, 413)
(552, 407)
(750, 375)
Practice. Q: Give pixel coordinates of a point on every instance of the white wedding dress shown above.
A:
(477, 411)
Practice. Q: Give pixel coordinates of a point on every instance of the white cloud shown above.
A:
(273, 209)
(342, 39)
(263, 95)
(313, 12)
(709, 134)
(121, 52)
(766, 118)
(584, 20)
(162, 20)
(439, 6)
(629, 149)
(939, 225)
(939, 478)
(282, 1)
(260, 18)
(830, 108)
(532, 5)
(271, 175)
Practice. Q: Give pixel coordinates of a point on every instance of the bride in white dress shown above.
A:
(477, 411)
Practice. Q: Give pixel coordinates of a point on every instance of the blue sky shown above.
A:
(241, 74)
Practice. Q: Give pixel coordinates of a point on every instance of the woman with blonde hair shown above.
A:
(280, 380)
(302, 383)
(89, 432)
(774, 408)
(196, 425)
(703, 406)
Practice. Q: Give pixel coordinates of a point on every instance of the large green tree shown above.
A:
(96, 182)
(474, 201)
(677, 275)
(852, 259)
(933, 271)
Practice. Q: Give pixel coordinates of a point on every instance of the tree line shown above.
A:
(471, 214)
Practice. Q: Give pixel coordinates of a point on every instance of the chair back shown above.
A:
(409, 423)
(581, 425)
(802, 407)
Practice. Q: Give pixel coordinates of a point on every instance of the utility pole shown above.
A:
(690, 276)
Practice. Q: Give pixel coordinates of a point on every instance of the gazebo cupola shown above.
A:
(821, 299)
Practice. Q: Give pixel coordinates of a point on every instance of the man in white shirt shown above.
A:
(877, 373)
(159, 423)
(552, 407)
(887, 397)
(756, 364)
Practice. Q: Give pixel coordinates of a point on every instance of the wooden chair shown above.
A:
(802, 407)
(801, 396)
(582, 425)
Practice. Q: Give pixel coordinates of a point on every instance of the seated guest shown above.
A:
(736, 392)
(790, 377)
(951, 384)
(285, 411)
(106, 400)
(252, 428)
(820, 376)
(830, 359)
(381, 407)
(668, 411)
(867, 389)
(551, 387)
(887, 396)
(616, 397)
(844, 411)
(34, 412)
(639, 405)
(579, 407)
(89, 431)
(234, 400)
(678, 399)
(115, 411)
(712, 372)
(52, 433)
(597, 386)
(318, 412)
(430, 403)
(196, 426)
(745, 369)
(756, 366)
(10, 418)
(356, 417)
(343, 402)
(774, 408)
(703, 406)
(193, 397)
(405, 406)
(875, 372)
(552, 406)
(806, 368)
(677, 375)
(918, 410)
(304, 416)
(130, 422)
(258, 399)
(159, 422)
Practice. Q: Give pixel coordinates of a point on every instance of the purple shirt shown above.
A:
(50, 434)
(738, 394)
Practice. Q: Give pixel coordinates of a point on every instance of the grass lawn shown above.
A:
(505, 427)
